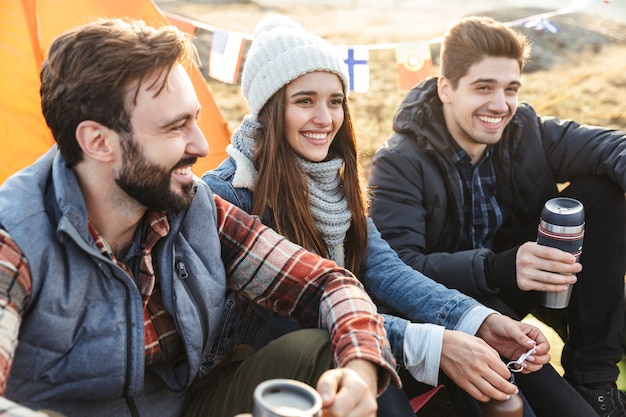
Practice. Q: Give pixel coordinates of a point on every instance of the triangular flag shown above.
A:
(414, 63)
(356, 58)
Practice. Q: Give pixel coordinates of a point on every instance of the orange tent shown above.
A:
(27, 28)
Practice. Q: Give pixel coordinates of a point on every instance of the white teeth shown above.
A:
(315, 135)
(183, 171)
(490, 120)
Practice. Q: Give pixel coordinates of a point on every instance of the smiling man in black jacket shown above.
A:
(459, 187)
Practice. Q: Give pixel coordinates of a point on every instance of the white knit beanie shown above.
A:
(281, 51)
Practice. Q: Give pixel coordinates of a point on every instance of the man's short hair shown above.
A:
(472, 39)
(94, 72)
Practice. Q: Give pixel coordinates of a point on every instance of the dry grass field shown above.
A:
(578, 73)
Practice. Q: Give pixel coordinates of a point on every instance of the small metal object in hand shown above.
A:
(516, 366)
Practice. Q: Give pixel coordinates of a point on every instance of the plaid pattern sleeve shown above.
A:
(15, 290)
(282, 276)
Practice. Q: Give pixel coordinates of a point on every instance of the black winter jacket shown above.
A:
(417, 195)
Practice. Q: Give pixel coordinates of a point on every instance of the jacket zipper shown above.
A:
(193, 292)
(190, 285)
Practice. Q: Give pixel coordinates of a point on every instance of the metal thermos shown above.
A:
(562, 226)
(286, 398)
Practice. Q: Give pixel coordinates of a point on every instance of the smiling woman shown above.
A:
(313, 113)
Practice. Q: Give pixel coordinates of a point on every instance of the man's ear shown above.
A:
(95, 140)
(443, 88)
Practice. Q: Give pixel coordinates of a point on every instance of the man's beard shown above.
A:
(149, 183)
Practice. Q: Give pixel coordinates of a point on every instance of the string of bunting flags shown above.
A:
(413, 59)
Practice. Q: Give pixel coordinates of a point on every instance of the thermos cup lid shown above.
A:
(563, 211)
(286, 398)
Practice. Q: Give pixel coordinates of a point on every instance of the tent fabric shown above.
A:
(27, 28)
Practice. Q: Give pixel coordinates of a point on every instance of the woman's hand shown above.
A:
(475, 367)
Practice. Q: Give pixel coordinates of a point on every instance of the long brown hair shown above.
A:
(281, 184)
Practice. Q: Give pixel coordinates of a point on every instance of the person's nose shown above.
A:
(322, 115)
(198, 145)
(499, 104)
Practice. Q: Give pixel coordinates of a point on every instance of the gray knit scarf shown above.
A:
(328, 199)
